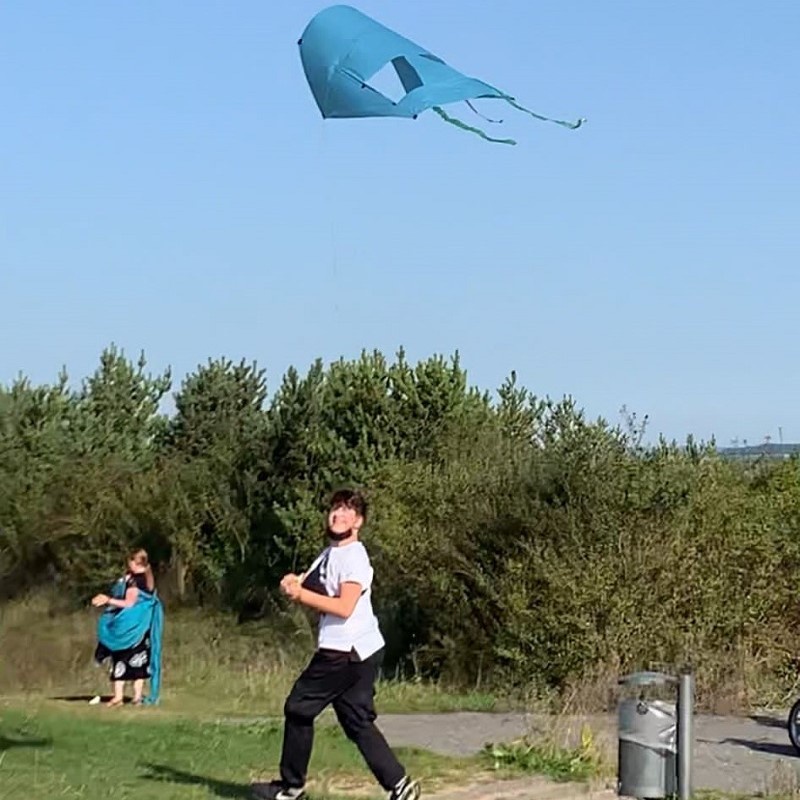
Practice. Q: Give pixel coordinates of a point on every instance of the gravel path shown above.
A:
(735, 754)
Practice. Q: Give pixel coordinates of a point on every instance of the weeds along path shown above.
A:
(733, 754)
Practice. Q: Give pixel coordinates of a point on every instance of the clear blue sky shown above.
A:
(166, 183)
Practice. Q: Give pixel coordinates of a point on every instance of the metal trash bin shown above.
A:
(648, 741)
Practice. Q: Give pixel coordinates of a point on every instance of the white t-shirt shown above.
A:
(360, 631)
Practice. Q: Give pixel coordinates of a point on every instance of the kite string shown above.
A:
(326, 171)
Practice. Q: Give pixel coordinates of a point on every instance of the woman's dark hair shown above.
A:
(349, 498)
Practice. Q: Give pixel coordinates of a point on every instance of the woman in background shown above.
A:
(129, 632)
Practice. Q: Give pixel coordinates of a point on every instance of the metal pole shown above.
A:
(685, 733)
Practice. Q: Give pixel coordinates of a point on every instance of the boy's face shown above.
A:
(342, 519)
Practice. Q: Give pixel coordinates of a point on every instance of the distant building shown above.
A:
(763, 450)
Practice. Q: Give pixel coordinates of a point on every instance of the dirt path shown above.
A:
(734, 754)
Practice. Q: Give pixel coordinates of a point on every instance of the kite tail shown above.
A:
(572, 125)
(459, 124)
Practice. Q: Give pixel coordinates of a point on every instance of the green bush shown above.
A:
(516, 543)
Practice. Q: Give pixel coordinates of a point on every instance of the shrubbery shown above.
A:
(515, 541)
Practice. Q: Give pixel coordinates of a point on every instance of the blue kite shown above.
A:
(341, 49)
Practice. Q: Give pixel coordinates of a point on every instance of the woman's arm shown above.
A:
(131, 594)
(341, 606)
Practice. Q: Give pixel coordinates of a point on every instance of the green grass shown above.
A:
(545, 756)
(131, 753)
(219, 725)
(211, 666)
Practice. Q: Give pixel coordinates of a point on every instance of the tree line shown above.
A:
(515, 541)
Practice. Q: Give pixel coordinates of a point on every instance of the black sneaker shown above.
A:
(276, 790)
(406, 790)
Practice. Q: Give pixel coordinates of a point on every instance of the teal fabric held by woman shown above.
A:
(120, 629)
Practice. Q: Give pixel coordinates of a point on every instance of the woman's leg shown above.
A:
(119, 694)
(118, 670)
(138, 687)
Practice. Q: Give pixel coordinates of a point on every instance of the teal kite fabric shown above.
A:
(341, 49)
(120, 629)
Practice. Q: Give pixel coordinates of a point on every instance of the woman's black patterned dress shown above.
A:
(133, 663)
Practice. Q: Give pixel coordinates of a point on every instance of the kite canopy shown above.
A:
(342, 49)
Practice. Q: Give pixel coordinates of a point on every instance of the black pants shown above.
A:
(348, 683)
